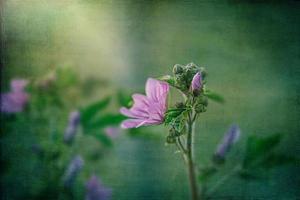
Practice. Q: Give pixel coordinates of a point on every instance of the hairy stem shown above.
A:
(190, 162)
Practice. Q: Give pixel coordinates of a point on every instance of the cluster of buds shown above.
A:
(190, 80)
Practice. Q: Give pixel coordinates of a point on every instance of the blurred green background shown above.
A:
(250, 50)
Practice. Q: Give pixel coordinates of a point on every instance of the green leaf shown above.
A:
(86, 114)
(107, 120)
(258, 148)
(214, 96)
(123, 99)
(172, 114)
(104, 139)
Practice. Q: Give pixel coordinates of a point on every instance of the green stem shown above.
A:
(190, 163)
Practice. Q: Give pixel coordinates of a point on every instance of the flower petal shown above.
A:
(156, 90)
(132, 123)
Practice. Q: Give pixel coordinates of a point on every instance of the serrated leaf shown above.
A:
(172, 114)
(86, 114)
(214, 96)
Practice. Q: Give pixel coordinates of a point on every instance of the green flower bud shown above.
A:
(170, 139)
(178, 69)
(180, 81)
(202, 100)
(190, 70)
(200, 108)
(192, 65)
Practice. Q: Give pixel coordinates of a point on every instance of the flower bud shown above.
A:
(196, 85)
(170, 139)
(202, 100)
(180, 80)
(178, 69)
(200, 108)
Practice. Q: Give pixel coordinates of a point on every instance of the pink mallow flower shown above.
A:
(196, 83)
(15, 100)
(150, 109)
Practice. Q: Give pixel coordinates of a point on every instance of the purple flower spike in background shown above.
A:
(72, 171)
(229, 139)
(96, 191)
(196, 83)
(15, 100)
(74, 120)
(149, 109)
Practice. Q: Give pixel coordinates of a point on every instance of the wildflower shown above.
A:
(112, 132)
(196, 83)
(18, 85)
(229, 139)
(70, 132)
(149, 109)
(72, 171)
(15, 100)
(96, 191)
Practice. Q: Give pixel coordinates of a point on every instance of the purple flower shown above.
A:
(196, 83)
(112, 132)
(72, 171)
(18, 85)
(70, 132)
(230, 137)
(149, 109)
(96, 191)
(15, 100)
